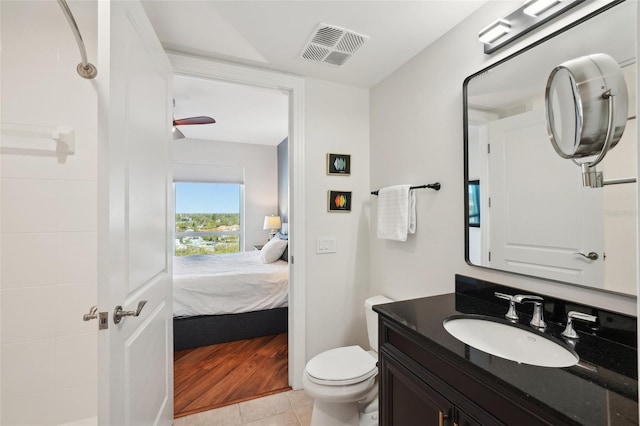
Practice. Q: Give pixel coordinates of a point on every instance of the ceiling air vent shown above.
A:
(332, 45)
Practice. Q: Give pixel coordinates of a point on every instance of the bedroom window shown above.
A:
(207, 218)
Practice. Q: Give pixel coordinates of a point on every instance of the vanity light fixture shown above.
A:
(529, 16)
(536, 7)
(494, 31)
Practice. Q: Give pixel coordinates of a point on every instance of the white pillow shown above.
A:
(273, 250)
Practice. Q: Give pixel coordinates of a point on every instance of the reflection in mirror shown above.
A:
(474, 203)
(528, 211)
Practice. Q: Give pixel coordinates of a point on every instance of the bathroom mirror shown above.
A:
(527, 210)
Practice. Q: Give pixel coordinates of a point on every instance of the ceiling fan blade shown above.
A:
(193, 120)
(177, 134)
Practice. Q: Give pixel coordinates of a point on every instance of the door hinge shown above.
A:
(488, 148)
(489, 256)
(489, 201)
(292, 259)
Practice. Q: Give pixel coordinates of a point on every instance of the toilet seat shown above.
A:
(341, 366)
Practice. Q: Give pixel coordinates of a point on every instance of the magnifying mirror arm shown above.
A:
(588, 168)
(608, 95)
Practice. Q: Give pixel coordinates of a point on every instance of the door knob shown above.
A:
(119, 313)
(103, 317)
(91, 315)
(591, 255)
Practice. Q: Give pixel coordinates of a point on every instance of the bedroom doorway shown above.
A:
(233, 162)
(294, 86)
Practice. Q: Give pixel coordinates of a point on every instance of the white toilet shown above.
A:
(342, 381)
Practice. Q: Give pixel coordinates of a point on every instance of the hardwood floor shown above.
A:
(228, 373)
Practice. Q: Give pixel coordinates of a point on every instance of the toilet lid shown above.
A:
(342, 366)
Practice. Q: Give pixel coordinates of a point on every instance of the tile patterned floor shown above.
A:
(292, 408)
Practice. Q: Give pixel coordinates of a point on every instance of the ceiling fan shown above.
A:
(201, 119)
(177, 134)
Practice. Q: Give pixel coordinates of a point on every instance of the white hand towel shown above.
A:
(396, 212)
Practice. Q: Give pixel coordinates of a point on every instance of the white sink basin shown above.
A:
(509, 342)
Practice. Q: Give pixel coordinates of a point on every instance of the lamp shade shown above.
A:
(272, 222)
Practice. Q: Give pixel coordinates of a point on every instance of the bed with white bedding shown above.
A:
(226, 297)
(229, 283)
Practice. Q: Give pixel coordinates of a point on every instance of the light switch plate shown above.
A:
(325, 245)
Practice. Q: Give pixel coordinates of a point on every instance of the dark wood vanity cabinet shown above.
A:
(410, 401)
(421, 384)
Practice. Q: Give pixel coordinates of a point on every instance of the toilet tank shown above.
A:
(372, 318)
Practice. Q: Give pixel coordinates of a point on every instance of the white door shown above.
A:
(134, 235)
(541, 215)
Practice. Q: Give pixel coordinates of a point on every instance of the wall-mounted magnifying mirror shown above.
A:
(586, 109)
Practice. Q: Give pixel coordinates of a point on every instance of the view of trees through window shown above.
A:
(207, 218)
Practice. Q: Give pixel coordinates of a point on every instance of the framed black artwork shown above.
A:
(339, 164)
(339, 201)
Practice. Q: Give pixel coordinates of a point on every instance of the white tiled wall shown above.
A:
(48, 272)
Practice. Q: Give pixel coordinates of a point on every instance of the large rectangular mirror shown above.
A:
(527, 209)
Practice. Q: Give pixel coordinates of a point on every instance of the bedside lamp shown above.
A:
(273, 223)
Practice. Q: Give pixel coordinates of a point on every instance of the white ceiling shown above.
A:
(244, 114)
(271, 34)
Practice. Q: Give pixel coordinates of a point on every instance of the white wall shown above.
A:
(48, 226)
(199, 160)
(336, 120)
(416, 137)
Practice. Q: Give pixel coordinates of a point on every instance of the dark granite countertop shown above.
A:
(602, 389)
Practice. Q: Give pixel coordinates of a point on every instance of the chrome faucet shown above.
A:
(512, 314)
(569, 332)
(537, 319)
